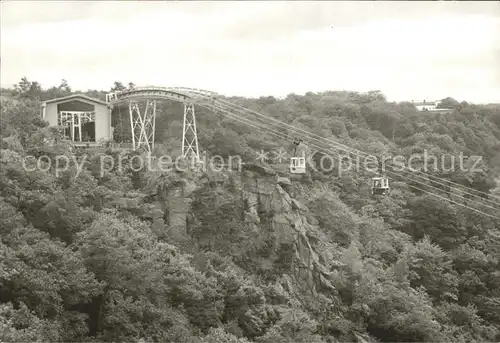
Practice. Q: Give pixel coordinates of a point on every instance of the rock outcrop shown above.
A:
(270, 206)
(271, 211)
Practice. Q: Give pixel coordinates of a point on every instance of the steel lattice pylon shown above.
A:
(189, 135)
(143, 125)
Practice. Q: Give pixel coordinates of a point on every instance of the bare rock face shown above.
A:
(289, 221)
(177, 209)
(270, 211)
(259, 169)
(129, 202)
(283, 181)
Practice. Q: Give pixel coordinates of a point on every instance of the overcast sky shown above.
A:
(409, 50)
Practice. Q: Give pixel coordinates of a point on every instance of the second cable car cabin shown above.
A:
(298, 165)
(380, 186)
(298, 160)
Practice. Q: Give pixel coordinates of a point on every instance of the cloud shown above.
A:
(409, 50)
(268, 20)
(25, 13)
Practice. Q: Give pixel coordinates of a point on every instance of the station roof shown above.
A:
(75, 97)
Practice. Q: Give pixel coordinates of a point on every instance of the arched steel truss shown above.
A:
(143, 122)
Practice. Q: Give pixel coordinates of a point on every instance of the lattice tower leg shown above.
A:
(189, 134)
(143, 125)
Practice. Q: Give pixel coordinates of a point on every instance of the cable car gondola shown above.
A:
(297, 163)
(380, 184)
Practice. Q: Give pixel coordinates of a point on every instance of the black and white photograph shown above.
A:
(249, 171)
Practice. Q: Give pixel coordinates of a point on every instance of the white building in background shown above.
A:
(430, 106)
(426, 105)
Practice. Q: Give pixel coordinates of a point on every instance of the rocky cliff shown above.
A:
(270, 208)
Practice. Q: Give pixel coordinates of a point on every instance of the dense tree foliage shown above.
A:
(89, 257)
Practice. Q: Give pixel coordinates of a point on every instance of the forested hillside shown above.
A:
(253, 255)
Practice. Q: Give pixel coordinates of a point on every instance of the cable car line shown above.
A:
(281, 135)
(359, 153)
(428, 178)
(457, 185)
(412, 186)
(394, 172)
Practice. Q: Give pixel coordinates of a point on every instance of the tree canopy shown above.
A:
(151, 256)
